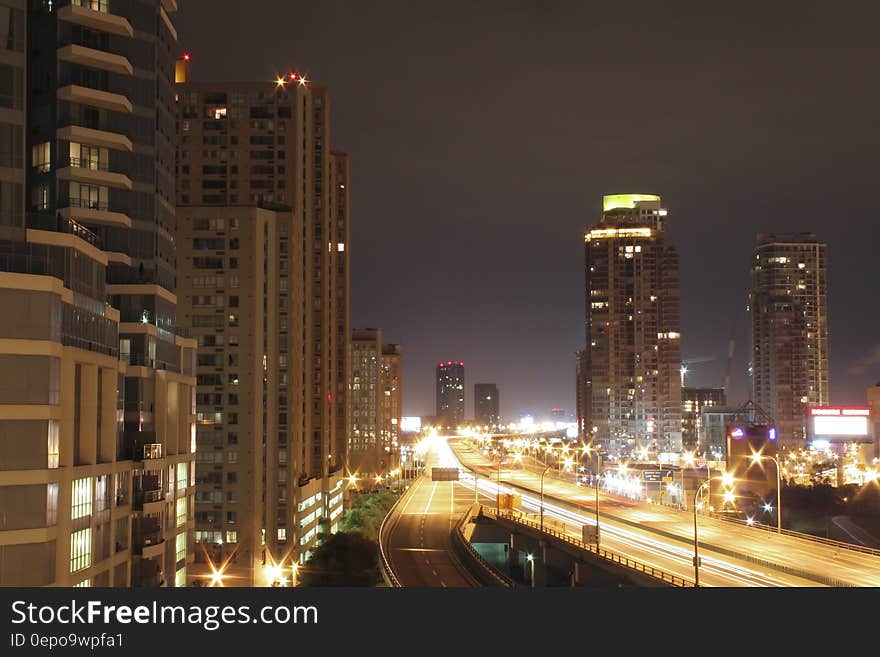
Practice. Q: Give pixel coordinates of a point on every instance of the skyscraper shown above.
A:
(789, 330)
(486, 404)
(375, 402)
(693, 401)
(632, 386)
(450, 393)
(258, 154)
(97, 438)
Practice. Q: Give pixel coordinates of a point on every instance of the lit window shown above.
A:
(181, 511)
(180, 546)
(340, 247)
(81, 550)
(81, 498)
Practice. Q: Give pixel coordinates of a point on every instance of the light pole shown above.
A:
(696, 541)
(757, 458)
(542, 496)
(589, 450)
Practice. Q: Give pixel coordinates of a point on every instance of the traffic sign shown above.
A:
(444, 474)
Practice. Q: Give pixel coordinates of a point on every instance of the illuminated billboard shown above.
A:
(833, 422)
(411, 424)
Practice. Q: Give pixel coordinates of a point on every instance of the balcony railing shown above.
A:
(87, 203)
(94, 5)
(61, 224)
(81, 163)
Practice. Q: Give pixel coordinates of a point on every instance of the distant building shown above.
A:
(450, 393)
(714, 422)
(392, 400)
(375, 403)
(873, 395)
(633, 350)
(693, 401)
(486, 404)
(557, 414)
(788, 306)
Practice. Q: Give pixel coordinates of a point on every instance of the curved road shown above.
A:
(419, 534)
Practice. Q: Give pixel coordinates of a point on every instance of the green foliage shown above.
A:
(343, 559)
(367, 513)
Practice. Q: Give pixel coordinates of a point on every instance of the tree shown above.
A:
(343, 559)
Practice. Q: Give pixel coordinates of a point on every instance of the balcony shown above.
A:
(149, 545)
(74, 93)
(83, 135)
(92, 212)
(95, 14)
(61, 224)
(91, 172)
(95, 59)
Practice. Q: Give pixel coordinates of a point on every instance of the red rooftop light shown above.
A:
(186, 56)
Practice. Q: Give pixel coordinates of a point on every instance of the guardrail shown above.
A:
(387, 573)
(773, 565)
(602, 553)
(487, 568)
(788, 532)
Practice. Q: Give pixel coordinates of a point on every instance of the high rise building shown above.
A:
(375, 402)
(392, 400)
(693, 401)
(486, 404)
(632, 386)
(789, 330)
(97, 427)
(244, 147)
(450, 393)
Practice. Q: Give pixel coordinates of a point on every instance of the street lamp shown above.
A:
(757, 458)
(531, 559)
(705, 484)
(542, 496)
(589, 450)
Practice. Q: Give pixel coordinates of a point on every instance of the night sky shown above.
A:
(484, 134)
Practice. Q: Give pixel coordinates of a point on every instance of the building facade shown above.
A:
(693, 401)
(392, 401)
(248, 146)
(584, 432)
(97, 432)
(376, 403)
(788, 310)
(632, 387)
(450, 393)
(486, 404)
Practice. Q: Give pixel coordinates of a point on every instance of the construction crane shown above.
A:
(692, 361)
(730, 346)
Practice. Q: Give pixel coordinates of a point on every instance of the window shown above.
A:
(52, 444)
(232, 438)
(233, 301)
(282, 534)
(81, 550)
(51, 504)
(180, 544)
(231, 456)
(231, 477)
(231, 517)
(182, 476)
(181, 511)
(233, 280)
(231, 536)
(233, 320)
(41, 157)
(81, 499)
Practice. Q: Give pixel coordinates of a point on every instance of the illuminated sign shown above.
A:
(824, 425)
(613, 201)
(413, 424)
(831, 421)
(606, 233)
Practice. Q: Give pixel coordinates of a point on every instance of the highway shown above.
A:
(419, 530)
(663, 537)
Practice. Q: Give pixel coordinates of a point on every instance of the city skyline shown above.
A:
(723, 147)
